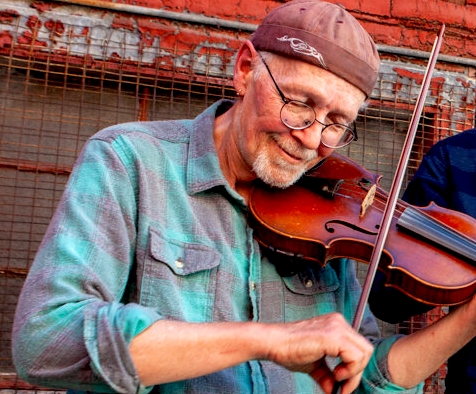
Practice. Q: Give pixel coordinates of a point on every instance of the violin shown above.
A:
(335, 211)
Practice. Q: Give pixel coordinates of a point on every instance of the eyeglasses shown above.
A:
(299, 116)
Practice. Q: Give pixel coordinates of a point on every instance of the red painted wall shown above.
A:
(402, 24)
(409, 23)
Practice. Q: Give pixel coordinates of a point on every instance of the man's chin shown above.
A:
(277, 173)
(280, 181)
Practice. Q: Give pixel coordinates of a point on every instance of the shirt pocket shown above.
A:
(179, 278)
(311, 281)
(311, 292)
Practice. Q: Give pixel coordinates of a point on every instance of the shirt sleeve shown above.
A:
(376, 378)
(72, 328)
(430, 182)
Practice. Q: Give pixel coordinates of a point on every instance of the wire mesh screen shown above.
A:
(52, 101)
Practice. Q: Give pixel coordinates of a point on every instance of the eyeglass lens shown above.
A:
(298, 115)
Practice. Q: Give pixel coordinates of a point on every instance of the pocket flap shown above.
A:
(182, 257)
(313, 280)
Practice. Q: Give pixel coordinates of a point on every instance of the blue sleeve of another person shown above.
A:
(447, 177)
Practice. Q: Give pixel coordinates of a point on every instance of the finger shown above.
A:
(352, 362)
(350, 385)
(324, 377)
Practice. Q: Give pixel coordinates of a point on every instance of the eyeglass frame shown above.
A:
(286, 101)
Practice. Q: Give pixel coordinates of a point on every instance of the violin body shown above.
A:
(321, 218)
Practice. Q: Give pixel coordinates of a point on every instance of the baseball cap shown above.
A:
(323, 34)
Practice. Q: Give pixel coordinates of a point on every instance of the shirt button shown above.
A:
(179, 263)
(309, 283)
(253, 285)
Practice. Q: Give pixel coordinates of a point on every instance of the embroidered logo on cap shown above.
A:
(300, 46)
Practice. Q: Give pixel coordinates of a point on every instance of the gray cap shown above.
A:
(323, 34)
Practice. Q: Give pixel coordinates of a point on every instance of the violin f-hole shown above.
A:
(329, 228)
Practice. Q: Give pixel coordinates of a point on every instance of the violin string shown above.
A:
(380, 196)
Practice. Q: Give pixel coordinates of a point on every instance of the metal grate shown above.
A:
(52, 101)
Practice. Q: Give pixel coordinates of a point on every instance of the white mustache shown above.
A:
(293, 148)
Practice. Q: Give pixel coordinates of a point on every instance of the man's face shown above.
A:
(277, 154)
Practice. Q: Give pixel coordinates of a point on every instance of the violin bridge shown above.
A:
(368, 200)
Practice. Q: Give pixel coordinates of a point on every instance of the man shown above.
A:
(149, 279)
(447, 177)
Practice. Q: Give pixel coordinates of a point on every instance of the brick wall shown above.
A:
(409, 23)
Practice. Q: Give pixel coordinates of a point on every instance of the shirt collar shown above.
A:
(203, 166)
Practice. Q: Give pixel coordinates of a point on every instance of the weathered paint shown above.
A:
(133, 44)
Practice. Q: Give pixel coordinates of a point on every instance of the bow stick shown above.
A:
(395, 188)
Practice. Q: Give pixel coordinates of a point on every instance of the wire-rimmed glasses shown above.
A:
(299, 116)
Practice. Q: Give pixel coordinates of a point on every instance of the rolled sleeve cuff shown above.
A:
(376, 378)
(108, 333)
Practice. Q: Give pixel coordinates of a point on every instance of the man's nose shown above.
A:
(310, 137)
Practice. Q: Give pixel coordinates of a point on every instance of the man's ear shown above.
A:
(243, 66)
